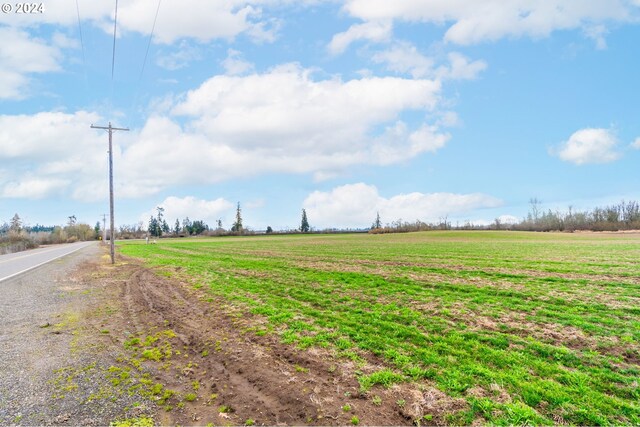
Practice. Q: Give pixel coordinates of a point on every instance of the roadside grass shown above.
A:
(529, 328)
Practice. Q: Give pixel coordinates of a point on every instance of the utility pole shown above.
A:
(104, 229)
(111, 129)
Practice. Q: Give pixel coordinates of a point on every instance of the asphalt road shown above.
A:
(12, 265)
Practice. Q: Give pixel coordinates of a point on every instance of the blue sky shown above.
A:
(417, 109)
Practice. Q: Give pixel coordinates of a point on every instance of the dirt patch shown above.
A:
(203, 362)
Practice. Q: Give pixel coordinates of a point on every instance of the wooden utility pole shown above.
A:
(111, 129)
(104, 229)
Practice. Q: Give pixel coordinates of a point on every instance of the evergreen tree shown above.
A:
(269, 230)
(154, 227)
(176, 228)
(96, 230)
(304, 223)
(199, 227)
(237, 225)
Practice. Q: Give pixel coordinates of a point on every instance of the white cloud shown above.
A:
(48, 135)
(597, 33)
(589, 146)
(200, 20)
(355, 205)
(474, 22)
(195, 209)
(182, 57)
(372, 31)
(52, 153)
(20, 56)
(197, 19)
(281, 121)
(636, 144)
(234, 65)
(404, 58)
(33, 188)
(460, 68)
(284, 121)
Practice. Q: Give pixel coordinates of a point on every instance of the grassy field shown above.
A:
(526, 327)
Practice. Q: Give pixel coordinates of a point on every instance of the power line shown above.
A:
(84, 55)
(144, 63)
(115, 26)
(84, 61)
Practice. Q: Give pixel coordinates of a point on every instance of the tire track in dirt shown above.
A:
(253, 377)
(161, 300)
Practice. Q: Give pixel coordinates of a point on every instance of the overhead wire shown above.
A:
(115, 27)
(84, 61)
(135, 101)
(84, 58)
(153, 28)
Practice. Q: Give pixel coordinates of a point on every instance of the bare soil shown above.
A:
(221, 372)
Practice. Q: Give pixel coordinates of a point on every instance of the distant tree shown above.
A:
(186, 225)
(198, 227)
(219, 223)
(269, 230)
(16, 224)
(304, 223)
(154, 227)
(377, 223)
(237, 225)
(176, 227)
(96, 230)
(535, 208)
(165, 227)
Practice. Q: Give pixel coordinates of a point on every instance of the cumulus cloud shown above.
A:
(404, 58)
(636, 144)
(355, 205)
(372, 31)
(282, 121)
(589, 145)
(52, 153)
(472, 22)
(285, 121)
(180, 208)
(33, 188)
(21, 55)
(199, 20)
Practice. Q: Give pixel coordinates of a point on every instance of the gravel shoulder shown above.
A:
(47, 367)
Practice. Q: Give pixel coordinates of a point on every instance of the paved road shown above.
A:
(12, 265)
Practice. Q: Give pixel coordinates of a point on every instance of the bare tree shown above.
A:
(535, 208)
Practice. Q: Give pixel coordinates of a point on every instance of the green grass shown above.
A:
(552, 320)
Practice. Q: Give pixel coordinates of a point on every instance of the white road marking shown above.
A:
(42, 263)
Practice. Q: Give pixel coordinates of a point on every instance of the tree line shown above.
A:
(621, 216)
(159, 227)
(15, 236)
